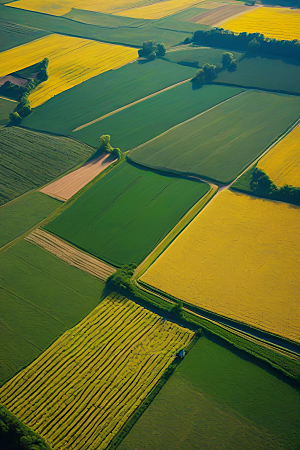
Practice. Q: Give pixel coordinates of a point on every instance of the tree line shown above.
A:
(150, 50)
(209, 72)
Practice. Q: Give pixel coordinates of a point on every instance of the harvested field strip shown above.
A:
(67, 186)
(72, 60)
(95, 375)
(159, 10)
(70, 255)
(217, 15)
(282, 163)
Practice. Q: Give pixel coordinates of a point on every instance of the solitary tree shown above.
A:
(104, 143)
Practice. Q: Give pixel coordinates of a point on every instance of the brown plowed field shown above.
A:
(70, 255)
(67, 186)
(217, 15)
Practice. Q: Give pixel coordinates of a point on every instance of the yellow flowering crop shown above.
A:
(71, 61)
(278, 23)
(282, 162)
(240, 258)
(83, 388)
(159, 10)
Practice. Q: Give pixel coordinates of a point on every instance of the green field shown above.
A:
(222, 142)
(6, 107)
(30, 160)
(188, 13)
(174, 24)
(12, 34)
(216, 400)
(103, 94)
(123, 216)
(192, 55)
(23, 213)
(271, 73)
(104, 20)
(42, 297)
(143, 121)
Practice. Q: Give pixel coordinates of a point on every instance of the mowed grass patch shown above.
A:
(6, 107)
(264, 72)
(145, 120)
(91, 380)
(123, 216)
(248, 251)
(12, 35)
(42, 297)
(219, 400)
(22, 214)
(103, 94)
(31, 159)
(220, 143)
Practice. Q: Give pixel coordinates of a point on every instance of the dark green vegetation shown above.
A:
(31, 159)
(104, 20)
(14, 435)
(6, 108)
(256, 182)
(126, 35)
(217, 399)
(22, 214)
(12, 34)
(123, 216)
(155, 115)
(41, 298)
(212, 144)
(105, 93)
(197, 56)
(265, 72)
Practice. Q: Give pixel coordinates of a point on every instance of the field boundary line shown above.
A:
(128, 106)
(220, 22)
(71, 255)
(8, 99)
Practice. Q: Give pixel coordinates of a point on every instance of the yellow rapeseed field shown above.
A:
(240, 258)
(159, 10)
(79, 393)
(282, 162)
(278, 23)
(71, 61)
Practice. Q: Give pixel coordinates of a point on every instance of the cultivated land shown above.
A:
(282, 163)
(6, 107)
(141, 122)
(214, 146)
(71, 61)
(171, 23)
(31, 159)
(247, 248)
(219, 400)
(105, 93)
(42, 297)
(264, 72)
(12, 35)
(125, 214)
(70, 254)
(278, 23)
(90, 381)
(218, 15)
(202, 55)
(159, 10)
(104, 20)
(22, 214)
(67, 186)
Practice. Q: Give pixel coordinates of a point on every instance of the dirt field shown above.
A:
(217, 15)
(67, 186)
(70, 254)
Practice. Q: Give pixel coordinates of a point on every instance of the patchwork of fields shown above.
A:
(90, 381)
(214, 146)
(12, 35)
(159, 9)
(247, 248)
(125, 214)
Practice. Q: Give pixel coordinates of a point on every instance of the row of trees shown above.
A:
(150, 50)
(209, 72)
(255, 42)
(262, 186)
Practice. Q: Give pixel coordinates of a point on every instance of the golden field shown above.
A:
(159, 10)
(71, 61)
(240, 258)
(79, 393)
(282, 162)
(278, 23)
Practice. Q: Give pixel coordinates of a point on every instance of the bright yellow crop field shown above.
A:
(278, 23)
(90, 381)
(71, 61)
(240, 258)
(59, 7)
(159, 10)
(282, 162)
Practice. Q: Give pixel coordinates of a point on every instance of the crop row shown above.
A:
(95, 375)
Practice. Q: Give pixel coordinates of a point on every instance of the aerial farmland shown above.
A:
(149, 225)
